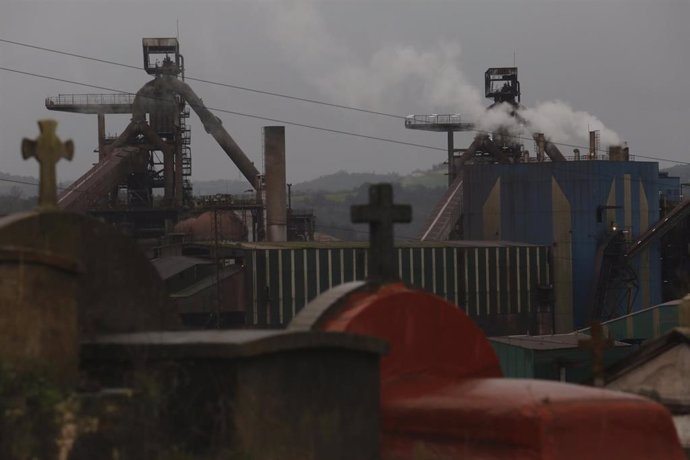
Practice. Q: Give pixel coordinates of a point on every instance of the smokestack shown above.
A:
(274, 168)
(593, 144)
(539, 146)
(619, 153)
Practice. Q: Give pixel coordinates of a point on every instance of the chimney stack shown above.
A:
(619, 153)
(274, 168)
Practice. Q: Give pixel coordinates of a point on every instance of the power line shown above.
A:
(242, 88)
(211, 82)
(35, 184)
(291, 123)
(241, 114)
(286, 96)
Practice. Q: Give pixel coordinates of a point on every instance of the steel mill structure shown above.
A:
(604, 216)
(142, 179)
(550, 241)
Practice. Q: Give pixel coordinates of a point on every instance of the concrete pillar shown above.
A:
(178, 176)
(169, 174)
(101, 136)
(274, 168)
(451, 154)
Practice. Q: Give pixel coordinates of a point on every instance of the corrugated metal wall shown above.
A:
(524, 363)
(488, 281)
(516, 362)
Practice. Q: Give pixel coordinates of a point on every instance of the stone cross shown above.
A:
(47, 149)
(381, 214)
(597, 345)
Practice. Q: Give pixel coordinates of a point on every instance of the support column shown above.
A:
(274, 168)
(451, 154)
(178, 176)
(169, 174)
(101, 136)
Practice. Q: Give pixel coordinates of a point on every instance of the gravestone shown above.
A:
(381, 213)
(261, 394)
(118, 290)
(38, 310)
(38, 314)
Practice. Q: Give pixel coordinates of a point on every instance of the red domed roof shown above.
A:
(203, 228)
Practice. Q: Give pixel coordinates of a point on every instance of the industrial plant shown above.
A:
(537, 241)
(175, 325)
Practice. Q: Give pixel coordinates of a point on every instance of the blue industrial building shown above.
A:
(575, 207)
(602, 216)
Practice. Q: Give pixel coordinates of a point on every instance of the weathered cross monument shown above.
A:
(381, 214)
(48, 150)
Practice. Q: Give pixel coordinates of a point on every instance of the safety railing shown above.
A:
(434, 119)
(599, 157)
(90, 99)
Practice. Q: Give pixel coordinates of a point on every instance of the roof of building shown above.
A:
(170, 266)
(365, 244)
(207, 282)
(547, 342)
(648, 351)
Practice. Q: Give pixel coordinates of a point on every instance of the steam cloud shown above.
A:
(395, 76)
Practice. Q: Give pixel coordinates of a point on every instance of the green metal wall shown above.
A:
(485, 281)
(525, 363)
(516, 362)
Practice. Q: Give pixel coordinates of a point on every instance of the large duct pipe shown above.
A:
(274, 158)
(553, 152)
(153, 91)
(544, 146)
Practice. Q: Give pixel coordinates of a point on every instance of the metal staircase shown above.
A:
(660, 228)
(186, 153)
(445, 214)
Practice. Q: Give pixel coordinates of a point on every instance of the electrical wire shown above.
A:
(211, 82)
(241, 114)
(296, 98)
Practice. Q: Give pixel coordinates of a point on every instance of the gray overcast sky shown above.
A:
(624, 62)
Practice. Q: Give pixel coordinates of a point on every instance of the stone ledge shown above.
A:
(221, 344)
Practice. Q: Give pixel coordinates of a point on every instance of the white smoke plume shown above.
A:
(395, 78)
(563, 124)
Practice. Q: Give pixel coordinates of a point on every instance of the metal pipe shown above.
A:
(214, 127)
(212, 124)
(451, 155)
(553, 152)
